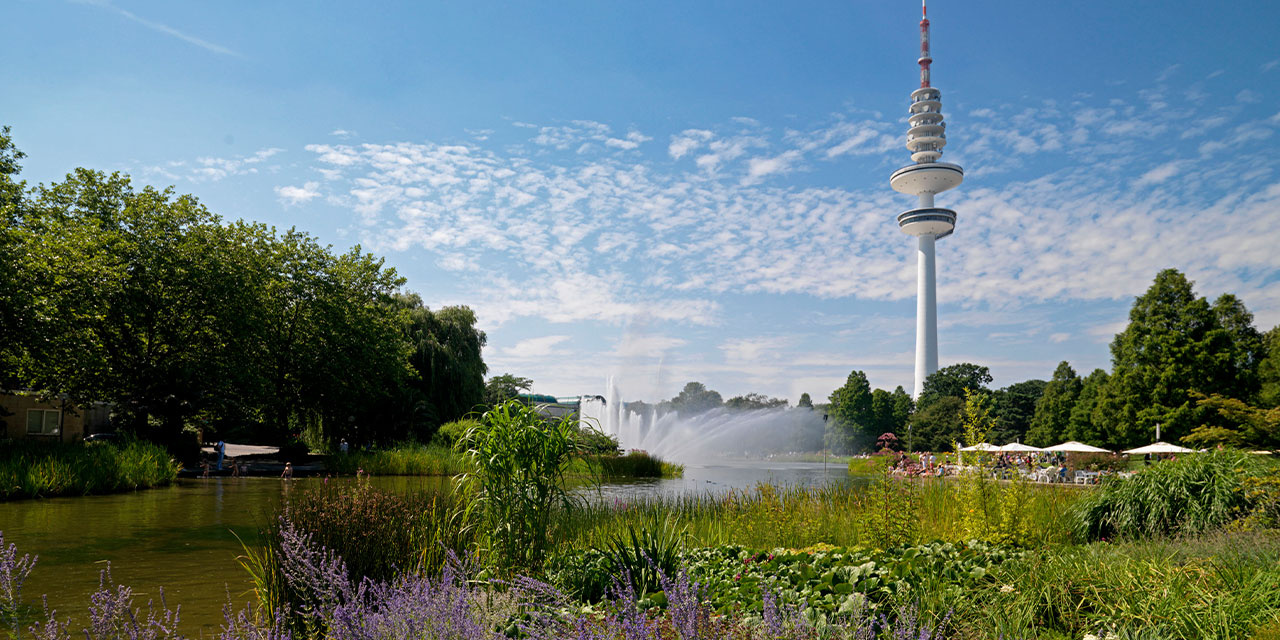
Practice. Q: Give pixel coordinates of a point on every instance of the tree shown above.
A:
(903, 405)
(1243, 348)
(696, 398)
(936, 426)
(753, 401)
(1175, 343)
(446, 356)
(805, 402)
(16, 305)
(851, 419)
(953, 380)
(1013, 408)
(1084, 425)
(1052, 417)
(1249, 426)
(1269, 370)
(504, 387)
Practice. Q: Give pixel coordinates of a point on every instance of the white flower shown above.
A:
(1008, 588)
(1090, 636)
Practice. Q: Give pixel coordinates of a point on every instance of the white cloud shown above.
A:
(1248, 96)
(1270, 65)
(541, 347)
(758, 168)
(1160, 174)
(290, 195)
(687, 141)
(1058, 338)
(342, 133)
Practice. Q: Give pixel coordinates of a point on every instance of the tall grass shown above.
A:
(1216, 586)
(46, 469)
(636, 464)
(796, 517)
(404, 460)
(1195, 493)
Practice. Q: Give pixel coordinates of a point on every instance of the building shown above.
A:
(24, 416)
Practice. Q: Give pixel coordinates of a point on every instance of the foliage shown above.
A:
(1176, 343)
(939, 424)
(450, 434)
(405, 460)
(505, 387)
(636, 464)
(1097, 462)
(805, 401)
(644, 554)
(592, 440)
(753, 401)
(1051, 421)
(183, 321)
(46, 469)
(1269, 370)
(1014, 408)
(952, 381)
(838, 581)
(695, 398)
(1246, 426)
(1085, 424)
(517, 481)
(850, 411)
(894, 512)
(1262, 492)
(1194, 493)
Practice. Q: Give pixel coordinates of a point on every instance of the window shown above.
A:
(42, 422)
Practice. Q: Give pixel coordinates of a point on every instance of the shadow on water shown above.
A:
(183, 537)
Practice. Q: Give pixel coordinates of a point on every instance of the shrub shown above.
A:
(1097, 462)
(451, 433)
(1195, 493)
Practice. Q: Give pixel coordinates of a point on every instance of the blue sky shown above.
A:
(675, 191)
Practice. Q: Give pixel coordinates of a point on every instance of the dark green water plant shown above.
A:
(1195, 493)
(46, 469)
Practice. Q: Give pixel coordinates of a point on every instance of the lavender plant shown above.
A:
(13, 572)
(113, 617)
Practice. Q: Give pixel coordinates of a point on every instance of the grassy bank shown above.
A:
(42, 470)
(633, 465)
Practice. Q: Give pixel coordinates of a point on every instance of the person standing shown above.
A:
(221, 450)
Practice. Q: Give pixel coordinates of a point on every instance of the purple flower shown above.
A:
(13, 572)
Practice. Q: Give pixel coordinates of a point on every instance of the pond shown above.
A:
(183, 538)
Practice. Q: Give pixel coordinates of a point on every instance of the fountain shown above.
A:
(720, 432)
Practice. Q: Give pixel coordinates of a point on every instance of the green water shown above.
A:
(181, 538)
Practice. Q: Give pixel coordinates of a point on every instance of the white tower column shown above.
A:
(926, 313)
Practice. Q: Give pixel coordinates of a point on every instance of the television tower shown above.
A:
(926, 137)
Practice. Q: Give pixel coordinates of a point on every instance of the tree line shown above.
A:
(1201, 371)
(183, 320)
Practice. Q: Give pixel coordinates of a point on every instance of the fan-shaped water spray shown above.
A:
(716, 433)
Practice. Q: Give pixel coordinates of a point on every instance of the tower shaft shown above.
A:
(926, 313)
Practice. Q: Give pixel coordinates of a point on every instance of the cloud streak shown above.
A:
(162, 28)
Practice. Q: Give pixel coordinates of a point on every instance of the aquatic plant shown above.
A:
(46, 469)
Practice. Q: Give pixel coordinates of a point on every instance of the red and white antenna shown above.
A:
(925, 60)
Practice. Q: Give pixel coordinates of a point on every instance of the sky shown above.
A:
(664, 192)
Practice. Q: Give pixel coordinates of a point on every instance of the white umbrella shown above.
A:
(981, 446)
(1076, 447)
(1017, 447)
(1159, 447)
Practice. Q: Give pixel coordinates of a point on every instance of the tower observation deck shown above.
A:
(926, 137)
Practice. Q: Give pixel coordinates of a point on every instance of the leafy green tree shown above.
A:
(696, 398)
(953, 380)
(903, 405)
(15, 300)
(805, 401)
(1014, 408)
(1269, 370)
(1249, 426)
(1052, 417)
(446, 358)
(851, 420)
(754, 401)
(1084, 424)
(504, 387)
(1175, 344)
(938, 425)
(1243, 349)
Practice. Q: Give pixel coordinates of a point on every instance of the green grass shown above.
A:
(42, 470)
(873, 465)
(633, 465)
(404, 460)
(768, 517)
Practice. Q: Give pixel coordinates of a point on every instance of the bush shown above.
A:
(1097, 462)
(451, 433)
(636, 464)
(1195, 493)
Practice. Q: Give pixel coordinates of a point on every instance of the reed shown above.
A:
(46, 469)
(404, 460)
(636, 464)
